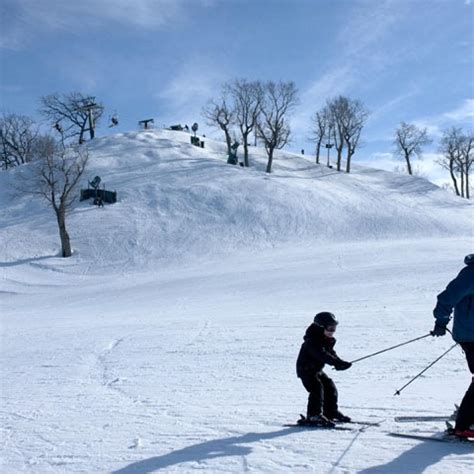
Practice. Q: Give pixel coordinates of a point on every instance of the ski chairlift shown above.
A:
(113, 119)
(95, 182)
(144, 123)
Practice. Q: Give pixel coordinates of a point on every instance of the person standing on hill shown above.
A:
(459, 296)
(316, 351)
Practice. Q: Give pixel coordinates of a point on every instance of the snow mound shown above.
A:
(176, 200)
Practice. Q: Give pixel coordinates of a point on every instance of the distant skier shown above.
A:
(459, 295)
(316, 351)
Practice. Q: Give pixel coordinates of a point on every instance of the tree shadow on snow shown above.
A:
(202, 452)
(27, 260)
(417, 459)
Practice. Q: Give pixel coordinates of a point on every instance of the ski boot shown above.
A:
(460, 433)
(338, 416)
(465, 434)
(319, 420)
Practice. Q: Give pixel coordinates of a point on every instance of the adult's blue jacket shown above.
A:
(458, 295)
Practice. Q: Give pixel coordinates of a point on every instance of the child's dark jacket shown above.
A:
(316, 351)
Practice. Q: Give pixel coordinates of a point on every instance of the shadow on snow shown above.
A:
(202, 451)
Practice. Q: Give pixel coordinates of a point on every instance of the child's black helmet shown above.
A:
(325, 319)
(469, 259)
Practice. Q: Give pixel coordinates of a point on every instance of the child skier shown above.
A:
(316, 351)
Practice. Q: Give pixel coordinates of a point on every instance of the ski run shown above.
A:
(168, 341)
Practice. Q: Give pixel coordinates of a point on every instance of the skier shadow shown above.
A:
(417, 459)
(202, 451)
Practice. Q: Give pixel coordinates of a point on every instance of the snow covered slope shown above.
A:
(180, 201)
(167, 343)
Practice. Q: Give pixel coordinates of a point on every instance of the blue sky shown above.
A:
(408, 60)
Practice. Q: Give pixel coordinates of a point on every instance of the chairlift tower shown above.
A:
(88, 105)
(329, 146)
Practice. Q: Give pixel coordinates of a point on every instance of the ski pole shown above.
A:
(424, 370)
(390, 348)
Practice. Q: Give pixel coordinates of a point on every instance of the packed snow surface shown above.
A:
(168, 341)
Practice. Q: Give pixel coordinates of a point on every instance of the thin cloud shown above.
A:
(361, 50)
(30, 18)
(463, 113)
(368, 26)
(390, 105)
(190, 89)
(460, 116)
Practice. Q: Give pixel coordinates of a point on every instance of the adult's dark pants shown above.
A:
(322, 394)
(465, 416)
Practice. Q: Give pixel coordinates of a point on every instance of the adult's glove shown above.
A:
(342, 365)
(439, 329)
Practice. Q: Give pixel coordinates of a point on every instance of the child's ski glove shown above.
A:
(342, 365)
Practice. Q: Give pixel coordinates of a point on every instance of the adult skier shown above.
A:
(316, 351)
(459, 295)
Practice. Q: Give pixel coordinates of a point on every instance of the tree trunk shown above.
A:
(348, 162)
(339, 158)
(318, 152)
(407, 158)
(245, 138)
(462, 182)
(453, 177)
(228, 140)
(468, 194)
(63, 235)
(270, 161)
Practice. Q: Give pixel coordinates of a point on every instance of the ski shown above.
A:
(304, 423)
(409, 419)
(318, 427)
(441, 439)
(357, 422)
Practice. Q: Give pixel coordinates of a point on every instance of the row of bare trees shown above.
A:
(261, 108)
(339, 123)
(456, 149)
(457, 156)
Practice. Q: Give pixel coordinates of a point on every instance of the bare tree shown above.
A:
(72, 115)
(57, 171)
(17, 137)
(336, 129)
(450, 147)
(346, 120)
(467, 159)
(247, 97)
(220, 114)
(408, 141)
(458, 156)
(354, 120)
(322, 130)
(273, 127)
